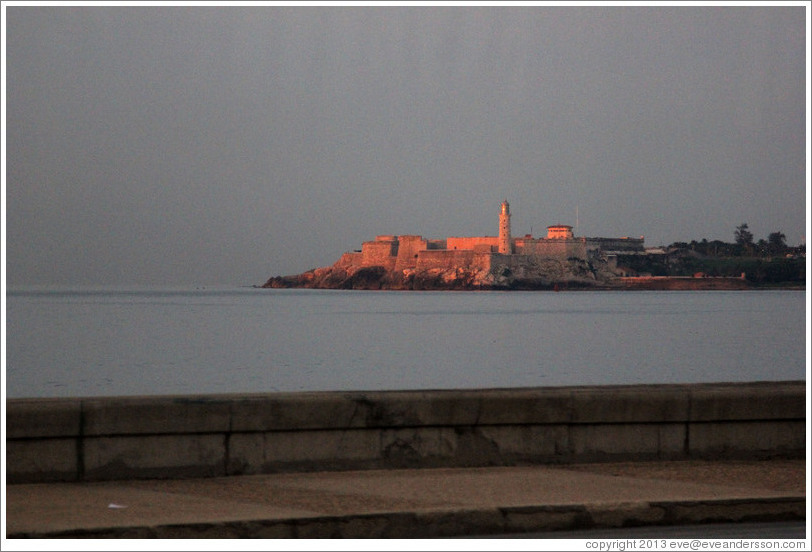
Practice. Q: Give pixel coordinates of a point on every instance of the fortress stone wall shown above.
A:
(381, 252)
(350, 259)
(413, 252)
(561, 248)
(451, 259)
(481, 243)
(408, 249)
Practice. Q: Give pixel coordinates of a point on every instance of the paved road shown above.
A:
(773, 530)
(423, 503)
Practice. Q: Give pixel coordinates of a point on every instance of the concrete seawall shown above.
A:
(94, 439)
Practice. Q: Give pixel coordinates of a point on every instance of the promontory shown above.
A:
(560, 260)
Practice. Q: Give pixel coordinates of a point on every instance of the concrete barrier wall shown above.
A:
(215, 435)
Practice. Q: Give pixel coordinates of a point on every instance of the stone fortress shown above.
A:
(479, 262)
(404, 253)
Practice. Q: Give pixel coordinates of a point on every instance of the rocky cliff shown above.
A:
(529, 273)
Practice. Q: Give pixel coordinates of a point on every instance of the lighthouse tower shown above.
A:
(505, 246)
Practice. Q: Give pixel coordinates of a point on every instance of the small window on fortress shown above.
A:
(415, 255)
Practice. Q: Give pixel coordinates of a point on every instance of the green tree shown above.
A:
(777, 243)
(743, 235)
(744, 239)
(762, 247)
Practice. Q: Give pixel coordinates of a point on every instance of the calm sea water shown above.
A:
(96, 342)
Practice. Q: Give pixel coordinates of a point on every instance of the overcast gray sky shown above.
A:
(221, 145)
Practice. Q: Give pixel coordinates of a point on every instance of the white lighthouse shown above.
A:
(505, 246)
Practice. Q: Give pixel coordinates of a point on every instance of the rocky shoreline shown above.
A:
(549, 275)
(539, 274)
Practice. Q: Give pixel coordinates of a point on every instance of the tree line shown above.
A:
(766, 261)
(743, 245)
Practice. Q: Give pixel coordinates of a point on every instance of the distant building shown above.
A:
(559, 231)
(413, 252)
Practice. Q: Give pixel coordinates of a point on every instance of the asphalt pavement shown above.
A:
(418, 503)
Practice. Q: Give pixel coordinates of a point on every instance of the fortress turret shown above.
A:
(505, 245)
